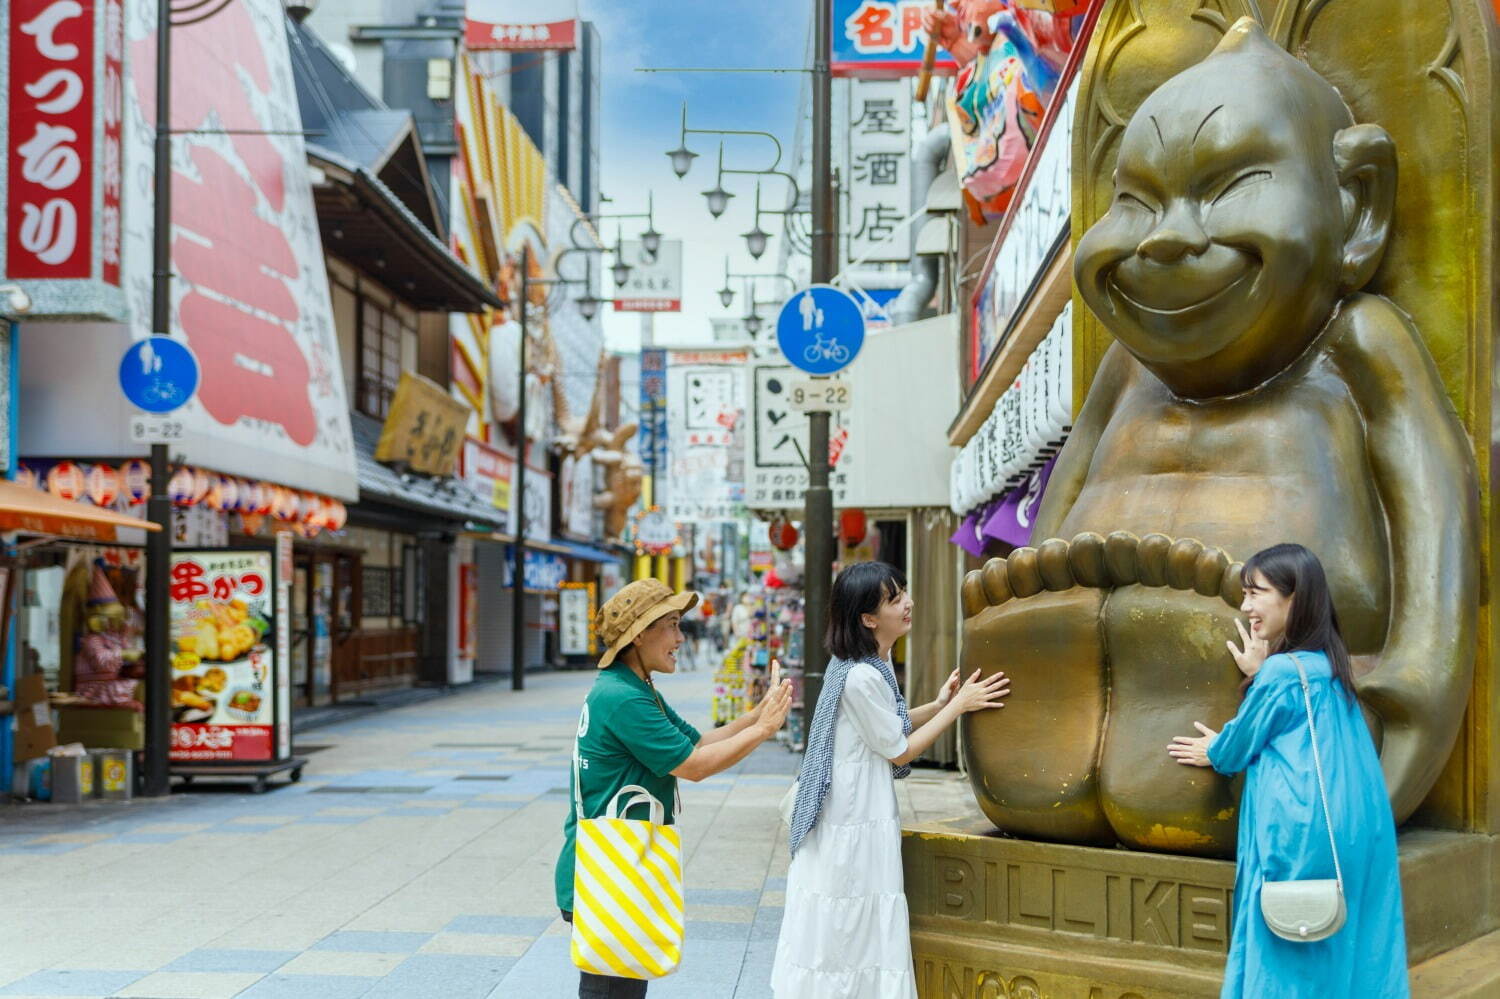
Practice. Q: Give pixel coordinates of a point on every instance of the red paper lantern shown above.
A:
(335, 515)
(102, 484)
(783, 535)
(135, 476)
(65, 480)
(180, 488)
(853, 527)
(26, 476)
(312, 510)
(287, 506)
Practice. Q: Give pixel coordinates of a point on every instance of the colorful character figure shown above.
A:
(106, 667)
(1011, 59)
(1254, 395)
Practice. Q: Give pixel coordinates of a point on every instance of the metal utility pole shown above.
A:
(518, 570)
(157, 777)
(817, 520)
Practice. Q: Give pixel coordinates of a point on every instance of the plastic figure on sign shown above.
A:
(1011, 58)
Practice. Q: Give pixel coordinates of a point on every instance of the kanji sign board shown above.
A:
(882, 38)
(655, 283)
(521, 24)
(776, 472)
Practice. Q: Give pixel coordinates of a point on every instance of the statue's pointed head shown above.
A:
(1247, 203)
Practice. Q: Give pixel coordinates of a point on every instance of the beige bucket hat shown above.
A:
(634, 609)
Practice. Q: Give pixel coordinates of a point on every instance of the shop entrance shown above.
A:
(325, 604)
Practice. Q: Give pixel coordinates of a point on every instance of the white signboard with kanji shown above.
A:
(655, 283)
(776, 476)
(879, 171)
(705, 404)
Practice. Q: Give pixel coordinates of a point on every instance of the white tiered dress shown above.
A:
(845, 931)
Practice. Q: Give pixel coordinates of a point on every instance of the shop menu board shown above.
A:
(223, 615)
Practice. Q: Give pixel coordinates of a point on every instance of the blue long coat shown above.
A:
(1282, 836)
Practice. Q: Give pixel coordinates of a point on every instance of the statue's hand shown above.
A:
(942, 25)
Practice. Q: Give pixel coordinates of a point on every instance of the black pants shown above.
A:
(604, 986)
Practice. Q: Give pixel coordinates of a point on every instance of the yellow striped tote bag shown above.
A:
(627, 889)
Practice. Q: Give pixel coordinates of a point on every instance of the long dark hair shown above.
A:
(860, 589)
(1313, 623)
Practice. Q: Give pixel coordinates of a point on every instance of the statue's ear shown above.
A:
(1365, 157)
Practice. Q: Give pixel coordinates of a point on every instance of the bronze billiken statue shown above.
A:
(1255, 395)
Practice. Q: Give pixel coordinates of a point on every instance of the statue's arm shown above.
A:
(1425, 476)
(1077, 455)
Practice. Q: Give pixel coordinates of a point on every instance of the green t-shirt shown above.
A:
(626, 735)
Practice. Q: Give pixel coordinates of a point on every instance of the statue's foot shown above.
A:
(1053, 619)
(1169, 668)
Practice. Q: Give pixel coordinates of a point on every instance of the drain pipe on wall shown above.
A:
(927, 163)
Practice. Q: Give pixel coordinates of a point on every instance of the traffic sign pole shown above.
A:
(157, 777)
(817, 518)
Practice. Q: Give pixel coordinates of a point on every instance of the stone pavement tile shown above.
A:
(264, 819)
(208, 959)
(373, 943)
(180, 828)
(776, 899)
(191, 985)
(719, 896)
(148, 837)
(308, 987)
(396, 918)
(755, 977)
(488, 944)
(776, 884)
(767, 924)
(443, 976)
(35, 849)
(544, 972)
(364, 964)
(722, 913)
(529, 926)
(706, 929)
(72, 983)
(73, 837)
(709, 968)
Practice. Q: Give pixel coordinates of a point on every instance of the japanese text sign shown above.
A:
(882, 38)
(224, 655)
(521, 24)
(655, 283)
(425, 427)
(776, 473)
(879, 170)
(705, 406)
(653, 443)
(63, 162)
(575, 619)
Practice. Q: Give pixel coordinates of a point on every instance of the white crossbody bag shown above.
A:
(1308, 910)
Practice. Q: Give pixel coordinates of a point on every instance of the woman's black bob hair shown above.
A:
(1313, 624)
(860, 589)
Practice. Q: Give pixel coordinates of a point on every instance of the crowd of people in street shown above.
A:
(1317, 895)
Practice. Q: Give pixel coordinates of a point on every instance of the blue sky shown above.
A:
(642, 114)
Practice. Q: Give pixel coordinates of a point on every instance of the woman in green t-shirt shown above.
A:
(627, 734)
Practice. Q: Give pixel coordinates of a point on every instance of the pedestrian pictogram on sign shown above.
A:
(158, 374)
(820, 329)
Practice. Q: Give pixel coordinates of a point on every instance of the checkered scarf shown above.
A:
(816, 775)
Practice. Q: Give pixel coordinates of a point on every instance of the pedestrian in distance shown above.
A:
(845, 929)
(629, 737)
(1314, 805)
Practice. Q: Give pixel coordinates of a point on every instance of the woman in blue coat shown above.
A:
(1283, 833)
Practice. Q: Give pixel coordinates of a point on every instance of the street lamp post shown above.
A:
(588, 307)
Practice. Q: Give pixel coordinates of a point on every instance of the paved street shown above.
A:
(414, 860)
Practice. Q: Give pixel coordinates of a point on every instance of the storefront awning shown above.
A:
(442, 498)
(364, 222)
(32, 511)
(578, 549)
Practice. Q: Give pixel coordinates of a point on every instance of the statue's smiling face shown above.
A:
(1225, 235)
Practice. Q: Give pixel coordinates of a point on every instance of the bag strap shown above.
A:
(1338, 872)
(577, 776)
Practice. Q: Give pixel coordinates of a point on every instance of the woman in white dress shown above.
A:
(845, 931)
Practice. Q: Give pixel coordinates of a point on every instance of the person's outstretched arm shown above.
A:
(716, 756)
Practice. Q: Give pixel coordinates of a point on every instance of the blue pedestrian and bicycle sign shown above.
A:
(158, 374)
(821, 329)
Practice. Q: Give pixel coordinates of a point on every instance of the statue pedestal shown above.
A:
(995, 918)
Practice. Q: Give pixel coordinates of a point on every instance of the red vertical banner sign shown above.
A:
(49, 205)
(111, 143)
